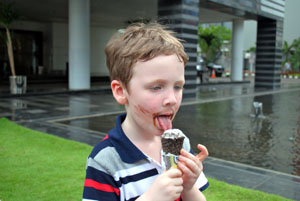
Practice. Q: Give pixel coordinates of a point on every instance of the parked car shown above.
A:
(219, 69)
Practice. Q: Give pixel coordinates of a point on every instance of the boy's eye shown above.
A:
(155, 88)
(178, 87)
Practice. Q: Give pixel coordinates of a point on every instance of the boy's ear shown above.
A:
(119, 92)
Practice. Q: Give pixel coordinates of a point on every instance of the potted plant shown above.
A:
(8, 15)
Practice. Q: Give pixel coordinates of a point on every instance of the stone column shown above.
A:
(268, 53)
(182, 16)
(79, 44)
(237, 66)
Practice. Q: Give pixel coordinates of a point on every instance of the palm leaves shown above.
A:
(292, 53)
(210, 40)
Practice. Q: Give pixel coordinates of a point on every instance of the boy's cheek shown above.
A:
(151, 105)
(142, 110)
(145, 112)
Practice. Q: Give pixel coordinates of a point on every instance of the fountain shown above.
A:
(257, 110)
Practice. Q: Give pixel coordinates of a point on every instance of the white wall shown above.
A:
(250, 28)
(291, 26)
(99, 38)
(59, 47)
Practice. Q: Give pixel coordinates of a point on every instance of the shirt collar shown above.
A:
(128, 152)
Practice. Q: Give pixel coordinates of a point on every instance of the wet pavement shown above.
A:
(242, 149)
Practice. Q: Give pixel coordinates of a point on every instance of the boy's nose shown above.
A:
(170, 98)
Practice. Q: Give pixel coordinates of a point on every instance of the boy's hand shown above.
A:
(191, 166)
(166, 187)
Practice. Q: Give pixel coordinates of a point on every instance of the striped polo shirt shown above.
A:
(118, 170)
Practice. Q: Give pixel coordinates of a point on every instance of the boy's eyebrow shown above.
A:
(163, 81)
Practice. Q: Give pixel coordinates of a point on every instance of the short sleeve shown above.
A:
(98, 184)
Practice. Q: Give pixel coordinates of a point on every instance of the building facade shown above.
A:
(67, 37)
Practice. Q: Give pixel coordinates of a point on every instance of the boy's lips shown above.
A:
(164, 121)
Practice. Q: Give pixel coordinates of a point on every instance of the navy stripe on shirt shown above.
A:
(140, 176)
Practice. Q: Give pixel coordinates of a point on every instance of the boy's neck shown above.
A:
(147, 143)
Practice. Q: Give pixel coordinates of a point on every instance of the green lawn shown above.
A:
(37, 166)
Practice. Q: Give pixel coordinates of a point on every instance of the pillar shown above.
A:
(237, 50)
(79, 44)
(268, 53)
(182, 16)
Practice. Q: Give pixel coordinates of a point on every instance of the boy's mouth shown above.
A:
(164, 121)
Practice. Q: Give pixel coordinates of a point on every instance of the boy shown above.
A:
(146, 65)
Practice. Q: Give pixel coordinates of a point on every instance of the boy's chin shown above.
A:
(159, 132)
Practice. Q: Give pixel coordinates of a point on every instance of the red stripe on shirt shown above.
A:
(178, 198)
(106, 137)
(102, 187)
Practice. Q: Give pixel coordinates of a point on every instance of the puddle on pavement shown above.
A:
(230, 133)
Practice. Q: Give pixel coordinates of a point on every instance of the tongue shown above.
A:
(164, 122)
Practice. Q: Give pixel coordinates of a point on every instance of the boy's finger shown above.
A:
(185, 157)
(174, 172)
(203, 152)
(185, 153)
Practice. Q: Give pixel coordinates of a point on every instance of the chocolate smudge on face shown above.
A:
(146, 112)
(143, 110)
(154, 117)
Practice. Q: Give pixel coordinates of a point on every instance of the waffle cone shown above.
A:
(172, 146)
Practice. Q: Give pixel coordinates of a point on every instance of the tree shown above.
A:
(292, 53)
(251, 49)
(7, 15)
(211, 40)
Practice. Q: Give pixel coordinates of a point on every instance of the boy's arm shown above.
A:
(191, 168)
(193, 194)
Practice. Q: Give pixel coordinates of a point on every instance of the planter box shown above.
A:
(18, 84)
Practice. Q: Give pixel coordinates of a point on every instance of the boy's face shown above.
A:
(155, 94)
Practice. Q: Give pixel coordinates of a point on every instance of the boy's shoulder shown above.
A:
(107, 142)
(105, 156)
(114, 153)
(103, 144)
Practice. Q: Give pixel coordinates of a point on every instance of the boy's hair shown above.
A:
(140, 42)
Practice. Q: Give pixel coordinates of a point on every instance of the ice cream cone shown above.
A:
(172, 141)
